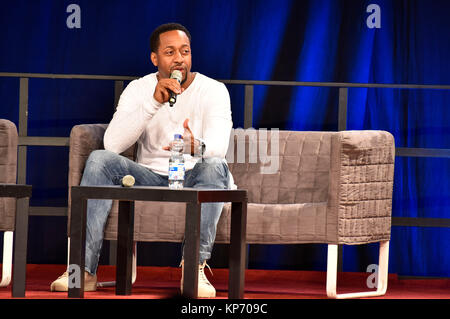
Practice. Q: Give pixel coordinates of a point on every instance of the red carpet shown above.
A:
(163, 283)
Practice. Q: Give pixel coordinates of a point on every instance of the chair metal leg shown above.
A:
(68, 251)
(382, 274)
(7, 258)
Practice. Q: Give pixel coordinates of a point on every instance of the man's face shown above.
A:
(174, 53)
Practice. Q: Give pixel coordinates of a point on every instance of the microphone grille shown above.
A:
(128, 181)
(177, 75)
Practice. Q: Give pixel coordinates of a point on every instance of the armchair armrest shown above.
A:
(8, 151)
(84, 139)
(361, 186)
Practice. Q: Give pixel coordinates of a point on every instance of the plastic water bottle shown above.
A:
(176, 164)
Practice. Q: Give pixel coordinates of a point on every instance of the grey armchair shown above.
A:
(14, 201)
(303, 187)
(8, 171)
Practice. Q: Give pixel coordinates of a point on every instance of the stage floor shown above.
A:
(163, 283)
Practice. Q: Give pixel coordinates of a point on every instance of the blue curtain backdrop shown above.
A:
(315, 40)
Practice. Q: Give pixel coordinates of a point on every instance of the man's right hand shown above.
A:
(163, 88)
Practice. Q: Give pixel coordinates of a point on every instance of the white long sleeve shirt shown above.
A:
(139, 117)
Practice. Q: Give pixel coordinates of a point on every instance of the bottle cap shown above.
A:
(177, 136)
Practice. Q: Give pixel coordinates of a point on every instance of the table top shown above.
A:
(15, 190)
(158, 193)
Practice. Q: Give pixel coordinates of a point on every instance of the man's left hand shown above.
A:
(190, 143)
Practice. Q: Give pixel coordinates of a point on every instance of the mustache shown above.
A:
(177, 67)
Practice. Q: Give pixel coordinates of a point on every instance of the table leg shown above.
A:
(125, 248)
(77, 246)
(237, 250)
(191, 250)
(20, 247)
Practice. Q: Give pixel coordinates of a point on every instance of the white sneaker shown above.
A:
(205, 289)
(62, 283)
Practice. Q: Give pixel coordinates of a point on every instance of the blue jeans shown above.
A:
(107, 168)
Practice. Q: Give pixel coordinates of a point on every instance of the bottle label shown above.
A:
(176, 172)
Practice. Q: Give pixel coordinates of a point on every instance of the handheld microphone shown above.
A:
(176, 74)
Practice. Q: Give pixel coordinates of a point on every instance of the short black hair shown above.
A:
(154, 38)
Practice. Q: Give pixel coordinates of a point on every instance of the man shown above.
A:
(202, 112)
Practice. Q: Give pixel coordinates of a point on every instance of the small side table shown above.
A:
(193, 197)
(23, 194)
